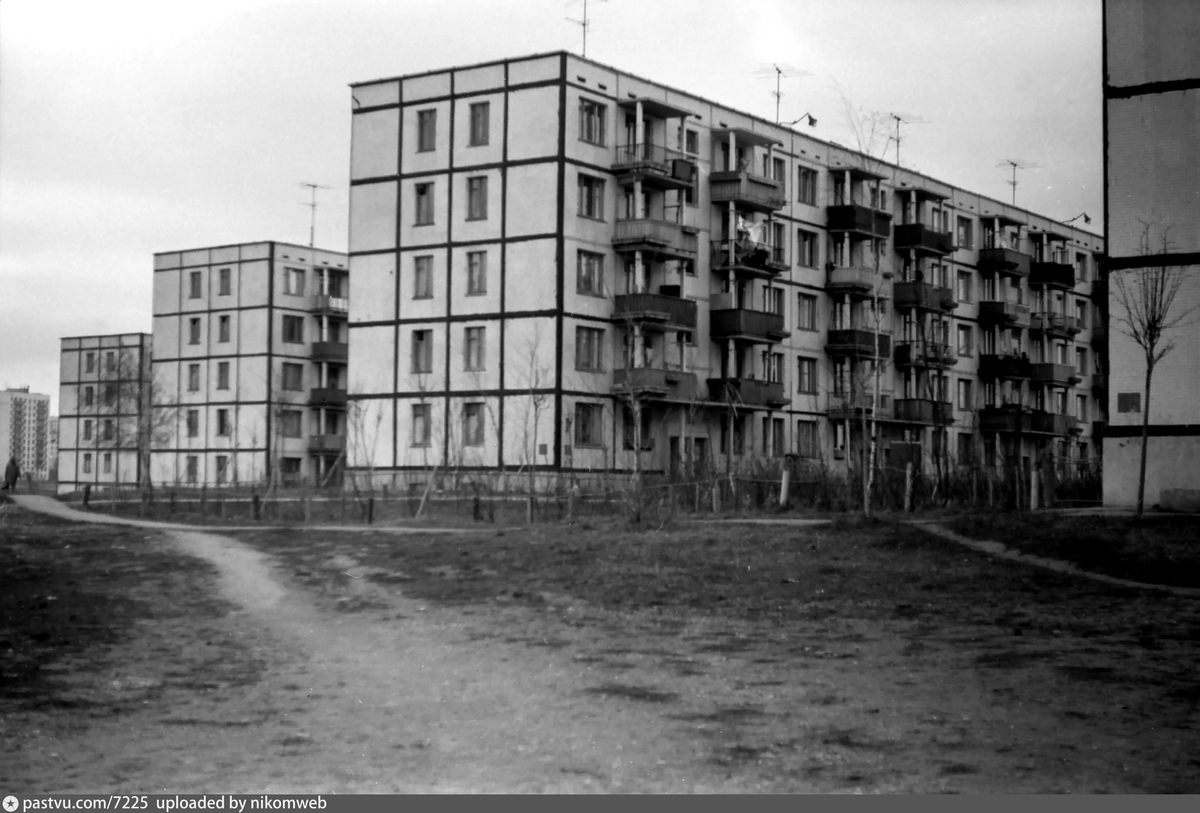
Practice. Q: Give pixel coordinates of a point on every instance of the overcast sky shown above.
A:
(128, 128)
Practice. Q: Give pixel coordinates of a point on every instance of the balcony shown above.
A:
(330, 305)
(326, 444)
(659, 309)
(330, 351)
(992, 366)
(1054, 324)
(925, 354)
(924, 410)
(1006, 419)
(1000, 312)
(750, 259)
(861, 221)
(654, 165)
(857, 343)
(747, 392)
(1099, 384)
(746, 191)
(664, 239)
(1004, 261)
(327, 397)
(1053, 375)
(1099, 428)
(845, 405)
(1099, 336)
(1056, 275)
(1047, 423)
(922, 296)
(922, 239)
(853, 279)
(746, 325)
(655, 383)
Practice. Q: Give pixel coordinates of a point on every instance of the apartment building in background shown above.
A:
(25, 431)
(103, 402)
(250, 365)
(561, 265)
(1152, 199)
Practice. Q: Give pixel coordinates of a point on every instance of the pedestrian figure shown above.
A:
(12, 473)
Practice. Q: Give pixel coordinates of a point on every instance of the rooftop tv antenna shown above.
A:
(1016, 163)
(780, 72)
(585, 23)
(312, 225)
(904, 118)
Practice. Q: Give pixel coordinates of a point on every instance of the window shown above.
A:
(225, 282)
(476, 273)
(222, 468)
(773, 297)
(1081, 313)
(1081, 360)
(89, 396)
(1081, 408)
(631, 434)
(193, 468)
(426, 130)
(691, 142)
(424, 193)
(109, 429)
(422, 351)
(110, 395)
(193, 423)
(193, 378)
(473, 424)
(806, 243)
(806, 186)
(420, 425)
(591, 197)
(778, 170)
(964, 286)
(293, 376)
(223, 422)
(806, 438)
(964, 394)
(289, 467)
(965, 341)
(89, 360)
(293, 329)
(222, 375)
(87, 429)
(806, 375)
(477, 198)
(589, 352)
(108, 462)
(110, 361)
(806, 313)
(194, 285)
(293, 281)
(1129, 402)
(473, 348)
(965, 237)
(1081, 268)
(965, 449)
(423, 277)
(588, 423)
(589, 273)
(222, 328)
(479, 124)
(194, 330)
(87, 463)
(291, 420)
(773, 363)
(592, 117)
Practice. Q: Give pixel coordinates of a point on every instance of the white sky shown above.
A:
(128, 128)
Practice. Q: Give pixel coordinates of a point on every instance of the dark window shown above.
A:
(473, 348)
(591, 197)
(90, 362)
(226, 282)
(293, 329)
(194, 285)
(479, 123)
(223, 422)
(691, 142)
(87, 430)
(477, 208)
(194, 330)
(806, 313)
(426, 130)
(476, 273)
(592, 120)
(806, 375)
(293, 376)
(108, 462)
(222, 328)
(420, 425)
(588, 424)
(291, 423)
(89, 396)
(807, 248)
(193, 468)
(806, 186)
(222, 375)
(222, 468)
(473, 424)
(423, 277)
(422, 351)
(806, 438)
(589, 353)
(424, 192)
(109, 429)
(193, 423)
(1129, 402)
(589, 273)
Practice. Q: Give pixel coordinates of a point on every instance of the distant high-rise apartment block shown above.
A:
(25, 430)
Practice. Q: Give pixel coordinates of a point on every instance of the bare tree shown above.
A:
(534, 377)
(146, 416)
(1147, 297)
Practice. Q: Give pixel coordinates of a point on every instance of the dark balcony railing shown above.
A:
(857, 342)
(740, 323)
(747, 190)
(853, 278)
(747, 392)
(1053, 374)
(655, 382)
(1004, 419)
(1048, 423)
(326, 443)
(860, 220)
(1058, 275)
(845, 405)
(654, 164)
(925, 354)
(1099, 428)
(922, 238)
(754, 259)
(1099, 336)
(1099, 383)
(993, 311)
(924, 410)
(1004, 261)
(647, 307)
(327, 397)
(922, 296)
(993, 365)
(324, 303)
(660, 236)
(1058, 324)
(330, 351)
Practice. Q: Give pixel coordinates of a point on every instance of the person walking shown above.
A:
(12, 473)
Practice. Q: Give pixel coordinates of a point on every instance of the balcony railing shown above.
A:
(749, 258)
(324, 303)
(655, 382)
(1008, 419)
(1058, 275)
(1054, 323)
(845, 405)
(655, 165)
(749, 392)
(1099, 335)
(1005, 365)
(855, 278)
(858, 343)
(326, 443)
(922, 239)
(660, 236)
(925, 354)
(1099, 383)
(860, 220)
(749, 325)
(922, 296)
(746, 190)
(327, 397)
(997, 311)
(1050, 424)
(659, 308)
(1099, 428)
(330, 351)
(924, 410)
(1004, 261)
(1053, 374)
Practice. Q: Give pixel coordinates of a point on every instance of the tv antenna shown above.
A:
(780, 72)
(585, 23)
(904, 118)
(312, 225)
(1016, 163)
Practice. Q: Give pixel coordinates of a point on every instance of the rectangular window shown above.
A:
(87, 463)
(965, 341)
(588, 424)
(426, 130)
(965, 447)
(422, 351)
(589, 350)
(423, 277)
(108, 462)
(691, 142)
(420, 425)
(222, 468)
(289, 467)
(806, 438)
(89, 360)
(293, 376)
(591, 197)
(223, 422)
(110, 395)
(778, 170)
(477, 198)
(473, 348)
(222, 375)
(194, 330)
(222, 328)
(1081, 360)
(89, 396)
(87, 429)
(806, 245)
(424, 193)
(806, 314)
(194, 281)
(109, 429)
(291, 419)
(110, 361)
(293, 281)
(1081, 313)
(480, 112)
(1081, 408)
(193, 468)
(964, 394)
(476, 273)
(592, 121)
(1081, 268)
(806, 186)
(806, 375)
(193, 378)
(964, 286)
(193, 423)
(225, 282)
(473, 424)
(589, 273)
(965, 236)
(773, 298)
(293, 329)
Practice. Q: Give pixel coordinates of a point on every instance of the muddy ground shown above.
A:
(579, 659)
